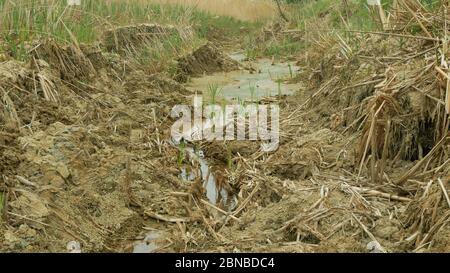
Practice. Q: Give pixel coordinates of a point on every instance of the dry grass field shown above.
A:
(247, 10)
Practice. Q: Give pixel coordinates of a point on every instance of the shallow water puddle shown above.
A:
(209, 180)
(149, 244)
(267, 80)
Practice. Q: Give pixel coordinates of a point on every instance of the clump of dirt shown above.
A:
(10, 156)
(129, 39)
(69, 60)
(205, 59)
(33, 94)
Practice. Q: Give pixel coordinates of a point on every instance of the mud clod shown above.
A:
(205, 59)
(129, 39)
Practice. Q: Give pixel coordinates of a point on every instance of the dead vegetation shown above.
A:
(246, 10)
(363, 163)
(204, 59)
(130, 39)
(390, 91)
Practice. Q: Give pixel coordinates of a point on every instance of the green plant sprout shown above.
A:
(182, 153)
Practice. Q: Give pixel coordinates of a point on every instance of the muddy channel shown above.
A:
(256, 80)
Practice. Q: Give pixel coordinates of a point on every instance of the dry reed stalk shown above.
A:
(219, 210)
(376, 193)
(433, 230)
(366, 230)
(416, 167)
(245, 10)
(369, 139)
(433, 39)
(416, 18)
(48, 88)
(387, 136)
(281, 12)
(165, 218)
(444, 191)
(9, 110)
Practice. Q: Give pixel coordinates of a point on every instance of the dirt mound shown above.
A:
(389, 87)
(130, 39)
(359, 86)
(22, 83)
(68, 148)
(34, 95)
(69, 60)
(205, 59)
(387, 93)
